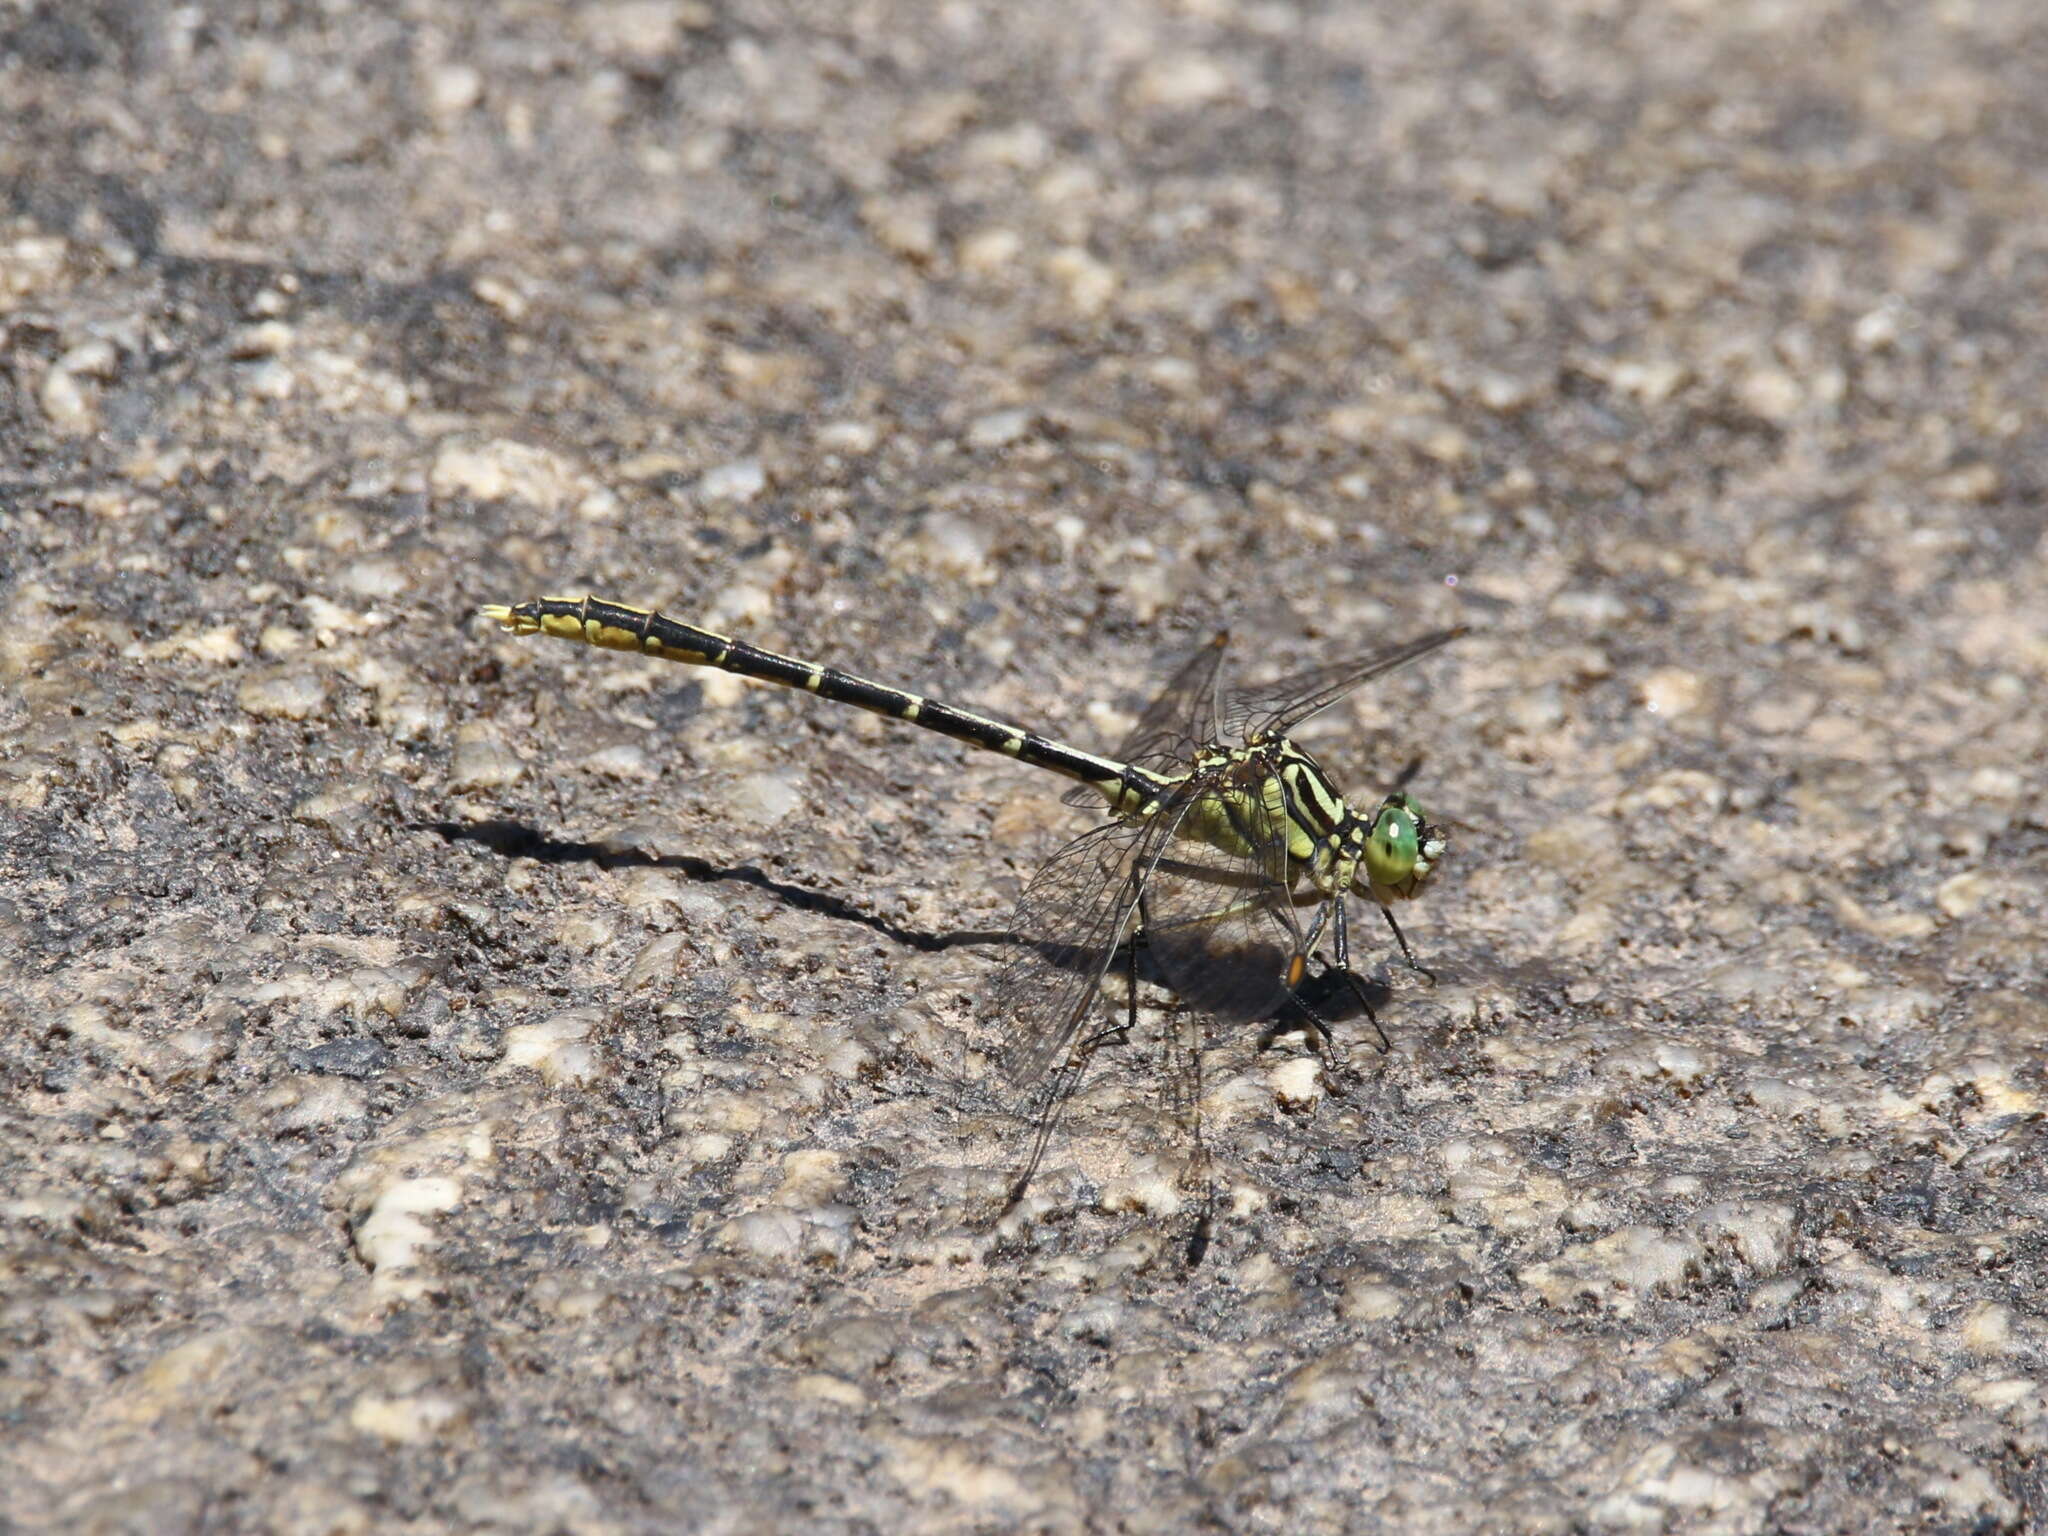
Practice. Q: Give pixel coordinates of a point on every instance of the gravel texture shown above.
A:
(451, 1083)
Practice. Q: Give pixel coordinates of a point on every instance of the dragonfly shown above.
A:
(1227, 855)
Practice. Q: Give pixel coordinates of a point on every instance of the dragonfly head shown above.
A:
(1400, 851)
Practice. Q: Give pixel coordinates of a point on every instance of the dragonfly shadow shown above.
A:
(516, 840)
(1330, 996)
(1325, 995)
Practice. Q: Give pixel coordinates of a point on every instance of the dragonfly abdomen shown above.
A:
(616, 627)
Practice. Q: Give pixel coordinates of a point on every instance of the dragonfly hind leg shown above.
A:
(1128, 1029)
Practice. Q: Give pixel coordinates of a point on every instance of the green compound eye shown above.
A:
(1393, 847)
(1401, 849)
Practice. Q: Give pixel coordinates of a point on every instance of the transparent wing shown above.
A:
(1274, 709)
(1177, 724)
(1219, 920)
(1183, 718)
(1072, 916)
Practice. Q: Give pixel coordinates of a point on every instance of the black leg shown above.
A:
(1406, 953)
(1343, 944)
(1198, 1240)
(1372, 1018)
(1129, 1026)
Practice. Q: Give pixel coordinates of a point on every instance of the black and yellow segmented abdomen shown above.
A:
(616, 627)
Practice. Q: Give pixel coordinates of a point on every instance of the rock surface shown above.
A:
(461, 1083)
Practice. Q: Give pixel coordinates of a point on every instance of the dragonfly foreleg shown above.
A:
(1406, 953)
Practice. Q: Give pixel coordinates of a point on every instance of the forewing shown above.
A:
(1274, 709)
(1070, 919)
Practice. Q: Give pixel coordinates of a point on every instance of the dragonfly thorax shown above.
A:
(1387, 857)
(1253, 801)
(1325, 838)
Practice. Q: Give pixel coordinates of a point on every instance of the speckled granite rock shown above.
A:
(454, 1084)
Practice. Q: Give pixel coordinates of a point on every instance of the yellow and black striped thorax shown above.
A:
(1269, 792)
(1269, 795)
(1386, 856)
